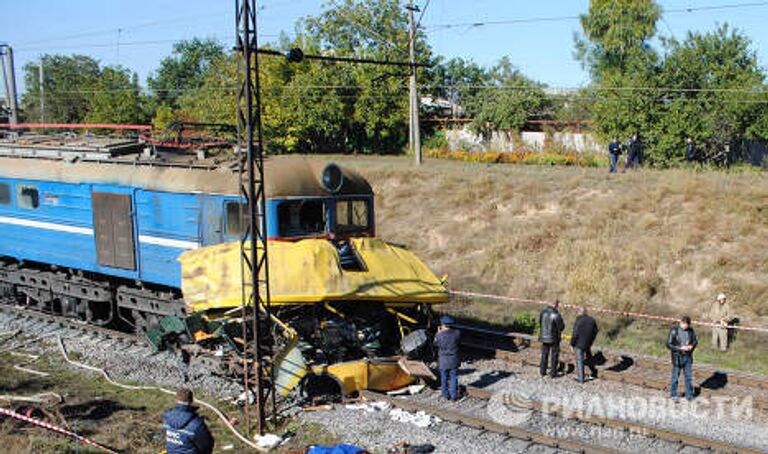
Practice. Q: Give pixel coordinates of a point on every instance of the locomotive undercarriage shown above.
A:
(89, 297)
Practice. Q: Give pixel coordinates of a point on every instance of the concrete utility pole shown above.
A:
(415, 135)
(6, 53)
(42, 90)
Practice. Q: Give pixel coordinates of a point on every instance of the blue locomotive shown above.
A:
(92, 228)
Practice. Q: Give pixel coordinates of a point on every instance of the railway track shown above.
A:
(64, 322)
(641, 438)
(457, 417)
(522, 349)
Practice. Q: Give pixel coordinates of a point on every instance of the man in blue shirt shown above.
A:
(185, 430)
(447, 342)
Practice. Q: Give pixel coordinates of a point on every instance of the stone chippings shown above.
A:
(124, 362)
(377, 432)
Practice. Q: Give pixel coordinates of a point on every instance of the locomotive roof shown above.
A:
(284, 176)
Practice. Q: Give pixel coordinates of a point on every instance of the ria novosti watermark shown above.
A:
(520, 402)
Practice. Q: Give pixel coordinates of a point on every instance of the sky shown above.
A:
(139, 33)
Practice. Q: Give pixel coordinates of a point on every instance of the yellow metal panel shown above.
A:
(376, 375)
(308, 271)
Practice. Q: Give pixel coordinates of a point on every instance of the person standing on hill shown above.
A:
(552, 326)
(681, 342)
(447, 341)
(634, 152)
(584, 334)
(690, 150)
(614, 150)
(720, 314)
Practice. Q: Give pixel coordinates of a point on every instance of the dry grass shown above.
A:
(662, 241)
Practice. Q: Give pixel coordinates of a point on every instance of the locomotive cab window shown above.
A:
(352, 216)
(233, 225)
(301, 217)
(5, 194)
(27, 196)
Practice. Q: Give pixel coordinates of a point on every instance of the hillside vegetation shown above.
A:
(657, 241)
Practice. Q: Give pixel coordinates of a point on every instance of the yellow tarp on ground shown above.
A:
(308, 271)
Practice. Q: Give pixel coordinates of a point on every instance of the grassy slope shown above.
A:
(658, 241)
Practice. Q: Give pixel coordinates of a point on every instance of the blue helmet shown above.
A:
(446, 320)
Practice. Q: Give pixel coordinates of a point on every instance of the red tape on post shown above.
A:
(51, 427)
(603, 310)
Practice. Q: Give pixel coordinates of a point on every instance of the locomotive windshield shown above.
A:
(301, 218)
(352, 216)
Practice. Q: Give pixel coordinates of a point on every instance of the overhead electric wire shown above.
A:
(531, 20)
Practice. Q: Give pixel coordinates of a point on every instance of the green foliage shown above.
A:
(436, 141)
(116, 98)
(524, 322)
(705, 86)
(68, 84)
(516, 100)
(184, 69)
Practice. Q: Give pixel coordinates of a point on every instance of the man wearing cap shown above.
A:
(721, 315)
(447, 342)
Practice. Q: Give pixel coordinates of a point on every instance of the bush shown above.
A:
(524, 322)
(437, 141)
(523, 157)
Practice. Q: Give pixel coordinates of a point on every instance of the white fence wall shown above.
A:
(464, 139)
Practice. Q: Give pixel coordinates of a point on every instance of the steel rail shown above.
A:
(65, 322)
(490, 426)
(631, 426)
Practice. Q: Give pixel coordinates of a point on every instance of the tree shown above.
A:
(711, 84)
(459, 81)
(116, 98)
(68, 84)
(184, 69)
(508, 102)
(615, 49)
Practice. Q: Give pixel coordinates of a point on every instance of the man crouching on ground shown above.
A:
(185, 430)
(447, 342)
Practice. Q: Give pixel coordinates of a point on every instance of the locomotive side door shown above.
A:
(114, 230)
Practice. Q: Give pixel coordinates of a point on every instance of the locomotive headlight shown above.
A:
(333, 178)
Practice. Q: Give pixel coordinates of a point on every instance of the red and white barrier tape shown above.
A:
(45, 425)
(603, 310)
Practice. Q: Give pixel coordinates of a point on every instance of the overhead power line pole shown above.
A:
(414, 133)
(41, 80)
(9, 76)
(253, 243)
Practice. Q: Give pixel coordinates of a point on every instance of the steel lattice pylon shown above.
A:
(253, 243)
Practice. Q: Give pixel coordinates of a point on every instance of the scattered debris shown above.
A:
(370, 407)
(268, 441)
(407, 391)
(324, 407)
(405, 448)
(418, 419)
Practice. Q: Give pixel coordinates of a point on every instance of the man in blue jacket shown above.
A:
(447, 342)
(185, 430)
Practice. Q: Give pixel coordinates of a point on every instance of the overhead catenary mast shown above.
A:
(253, 243)
(9, 78)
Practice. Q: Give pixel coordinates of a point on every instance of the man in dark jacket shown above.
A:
(447, 342)
(681, 342)
(552, 326)
(185, 430)
(634, 153)
(690, 150)
(584, 333)
(614, 150)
